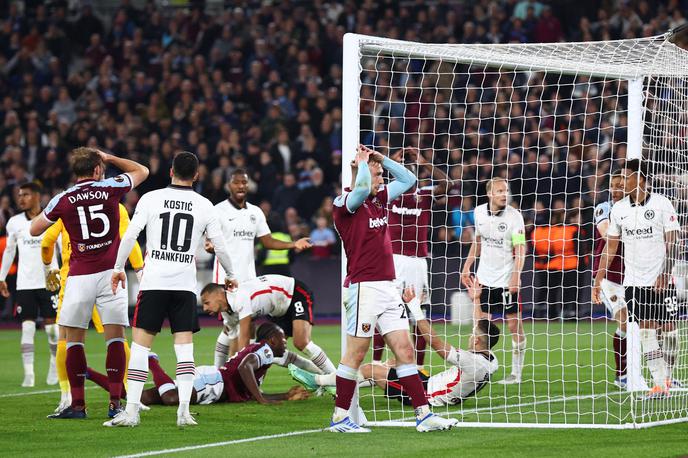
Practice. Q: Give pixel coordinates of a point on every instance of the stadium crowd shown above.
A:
(257, 85)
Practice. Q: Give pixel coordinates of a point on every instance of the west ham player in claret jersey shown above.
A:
(242, 223)
(90, 212)
(32, 298)
(647, 224)
(612, 290)
(371, 298)
(500, 244)
(238, 380)
(410, 217)
(176, 219)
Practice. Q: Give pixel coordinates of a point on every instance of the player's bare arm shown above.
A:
(136, 171)
(273, 244)
(519, 261)
(467, 278)
(664, 279)
(610, 249)
(247, 370)
(244, 332)
(7, 260)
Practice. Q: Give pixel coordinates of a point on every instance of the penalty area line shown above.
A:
(221, 444)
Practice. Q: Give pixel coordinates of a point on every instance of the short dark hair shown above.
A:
(32, 186)
(636, 165)
(238, 171)
(185, 165)
(266, 330)
(490, 330)
(211, 288)
(85, 160)
(617, 172)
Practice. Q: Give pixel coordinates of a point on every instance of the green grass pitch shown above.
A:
(24, 430)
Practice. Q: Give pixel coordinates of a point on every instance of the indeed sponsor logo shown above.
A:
(406, 211)
(639, 232)
(374, 223)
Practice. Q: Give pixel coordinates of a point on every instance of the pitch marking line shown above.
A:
(220, 444)
(30, 393)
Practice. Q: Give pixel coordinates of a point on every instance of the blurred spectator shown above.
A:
(322, 238)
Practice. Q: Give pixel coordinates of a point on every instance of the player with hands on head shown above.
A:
(371, 297)
(176, 219)
(89, 211)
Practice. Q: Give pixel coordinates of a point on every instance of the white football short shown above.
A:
(613, 296)
(82, 291)
(374, 303)
(412, 271)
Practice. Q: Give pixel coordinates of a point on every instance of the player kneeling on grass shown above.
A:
(285, 301)
(469, 372)
(238, 380)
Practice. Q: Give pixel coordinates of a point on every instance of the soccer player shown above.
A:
(285, 300)
(409, 222)
(371, 298)
(56, 279)
(242, 222)
(500, 243)
(32, 298)
(647, 224)
(470, 371)
(90, 212)
(175, 219)
(612, 291)
(238, 380)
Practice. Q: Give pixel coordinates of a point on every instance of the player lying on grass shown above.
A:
(469, 372)
(238, 380)
(284, 300)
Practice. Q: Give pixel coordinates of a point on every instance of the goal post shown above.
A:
(555, 117)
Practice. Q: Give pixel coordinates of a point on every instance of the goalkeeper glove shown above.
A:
(52, 278)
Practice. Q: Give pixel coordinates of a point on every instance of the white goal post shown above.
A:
(482, 110)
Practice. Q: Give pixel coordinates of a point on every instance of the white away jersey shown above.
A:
(176, 219)
(463, 381)
(642, 229)
(240, 227)
(261, 296)
(499, 233)
(30, 274)
(208, 384)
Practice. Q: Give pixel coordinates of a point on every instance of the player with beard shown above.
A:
(500, 243)
(242, 223)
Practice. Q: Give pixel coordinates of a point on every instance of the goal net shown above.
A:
(554, 120)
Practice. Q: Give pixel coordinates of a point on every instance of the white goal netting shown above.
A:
(554, 120)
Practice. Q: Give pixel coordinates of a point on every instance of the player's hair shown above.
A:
(185, 165)
(492, 181)
(266, 330)
(211, 288)
(238, 171)
(617, 172)
(84, 161)
(489, 331)
(32, 186)
(636, 165)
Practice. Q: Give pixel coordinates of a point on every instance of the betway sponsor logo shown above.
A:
(403, 211)
(374, 223)
(639, 232)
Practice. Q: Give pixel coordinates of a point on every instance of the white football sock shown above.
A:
(137, 373)
(27, 351)
(52, 332)
(653, 356)
(518, 355)
(319, 358)
(221, 349)
(289, 357)
(326, 379)
(670, 345)
(186, 369)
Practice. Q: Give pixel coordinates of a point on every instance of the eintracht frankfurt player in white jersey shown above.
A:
(284, 300)
(409, 223)
(32, 298)
(175, 218)
(242, 223)
(648, 226)
(371, 298)
(500, 243)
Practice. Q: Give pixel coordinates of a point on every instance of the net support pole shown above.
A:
(635, 381)
(351, 91)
